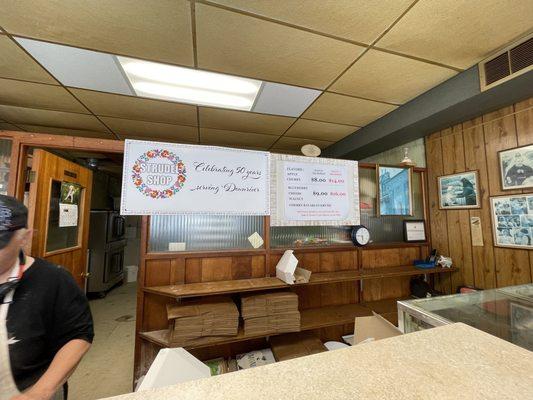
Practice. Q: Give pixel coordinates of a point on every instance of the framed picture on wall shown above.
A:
(394, 190)
(459, 191)
(516, 167)
(414, 230)
(512, 221)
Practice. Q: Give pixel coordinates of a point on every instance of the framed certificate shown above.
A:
(414, 230)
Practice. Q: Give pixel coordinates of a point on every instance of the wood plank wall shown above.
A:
(474, 145)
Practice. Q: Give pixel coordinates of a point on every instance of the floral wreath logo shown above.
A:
(162, 193)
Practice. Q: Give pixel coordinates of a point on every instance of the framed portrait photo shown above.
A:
(516, 167)
(414, 230)
(459, 191)
(512, 221)
(394, 190)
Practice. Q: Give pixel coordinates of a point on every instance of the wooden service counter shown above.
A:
(450, 362)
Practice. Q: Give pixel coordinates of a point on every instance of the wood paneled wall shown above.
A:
(474, 145)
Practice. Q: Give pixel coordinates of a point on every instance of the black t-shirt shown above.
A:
(48, 311)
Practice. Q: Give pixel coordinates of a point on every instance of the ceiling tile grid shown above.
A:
(159, 31)
(243, 121)
(127, 127)
(238, 44)
(36, 95)
(341, 80)
(390, 78)
(459, 33)
(58, 119)
(358, 20)
(336, 108)
(16, 64)
(137, 108)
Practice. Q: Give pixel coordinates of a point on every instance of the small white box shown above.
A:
(286, 267)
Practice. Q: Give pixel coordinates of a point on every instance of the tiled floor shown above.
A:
(107, 369)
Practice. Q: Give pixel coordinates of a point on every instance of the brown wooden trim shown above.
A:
(141, 281)
(67, 142)
(204, 254)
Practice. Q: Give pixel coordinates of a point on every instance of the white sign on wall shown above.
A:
(168, 178)
(313, 191)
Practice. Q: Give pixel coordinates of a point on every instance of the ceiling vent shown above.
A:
(514, 60)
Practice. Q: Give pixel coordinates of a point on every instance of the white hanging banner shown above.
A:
(168, 178)
(313, 191)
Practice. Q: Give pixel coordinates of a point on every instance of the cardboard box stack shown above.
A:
(275, 312)
(201, 321)
(294, 345)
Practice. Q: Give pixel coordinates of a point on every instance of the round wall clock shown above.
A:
(360, 235)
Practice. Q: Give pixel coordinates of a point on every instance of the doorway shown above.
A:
(110, 245)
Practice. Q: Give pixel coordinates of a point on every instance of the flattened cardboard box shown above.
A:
(287, 347)
(192, 321)
(373, 328)
(279, 323)
(262, 305)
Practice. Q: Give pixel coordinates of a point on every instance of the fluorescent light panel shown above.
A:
(186, 85)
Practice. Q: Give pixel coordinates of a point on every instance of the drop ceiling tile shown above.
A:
(158, 30)
(16, 64)
(237, 44)
(295, 144)
(358, 20)
(391, 78)
(5, 126)
(242, 121)
(113, 105)
(332, 107)
(58, 119)
(232, 138)
(69, 132)
(37, 95)
(459, 33)
(150, 130)
(304, 128)
(79, 67)
(280, 99)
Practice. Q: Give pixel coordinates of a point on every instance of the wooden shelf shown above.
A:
(257, 284)
(314, 318)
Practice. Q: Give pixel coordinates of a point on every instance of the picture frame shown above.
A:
(516, 167)
(459, 191)
(414, 230)
(512, 221)
(394, 190)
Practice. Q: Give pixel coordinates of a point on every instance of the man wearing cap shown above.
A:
(45, 322)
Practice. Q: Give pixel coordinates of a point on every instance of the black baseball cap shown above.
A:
(13, 216)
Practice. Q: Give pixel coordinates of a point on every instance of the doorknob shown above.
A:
(85, 274)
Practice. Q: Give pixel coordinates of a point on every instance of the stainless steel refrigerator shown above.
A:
(106, 250)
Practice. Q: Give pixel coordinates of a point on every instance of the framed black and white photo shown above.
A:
(459, 191)
(414, 230)
(512, 221)
(394, 190)
(516, 167)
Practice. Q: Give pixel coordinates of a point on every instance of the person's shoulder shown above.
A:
(50, 270)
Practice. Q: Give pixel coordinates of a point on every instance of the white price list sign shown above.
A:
(307, 191)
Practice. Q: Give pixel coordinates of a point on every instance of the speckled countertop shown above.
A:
(450, 362)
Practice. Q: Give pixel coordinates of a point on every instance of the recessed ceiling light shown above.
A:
(188, 85)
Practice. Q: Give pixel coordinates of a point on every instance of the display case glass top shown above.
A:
(506, 312)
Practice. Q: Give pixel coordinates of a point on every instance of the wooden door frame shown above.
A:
(22, 141)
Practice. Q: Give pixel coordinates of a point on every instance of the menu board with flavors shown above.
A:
(313, 191)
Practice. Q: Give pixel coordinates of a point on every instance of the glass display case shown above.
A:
(506, 313)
